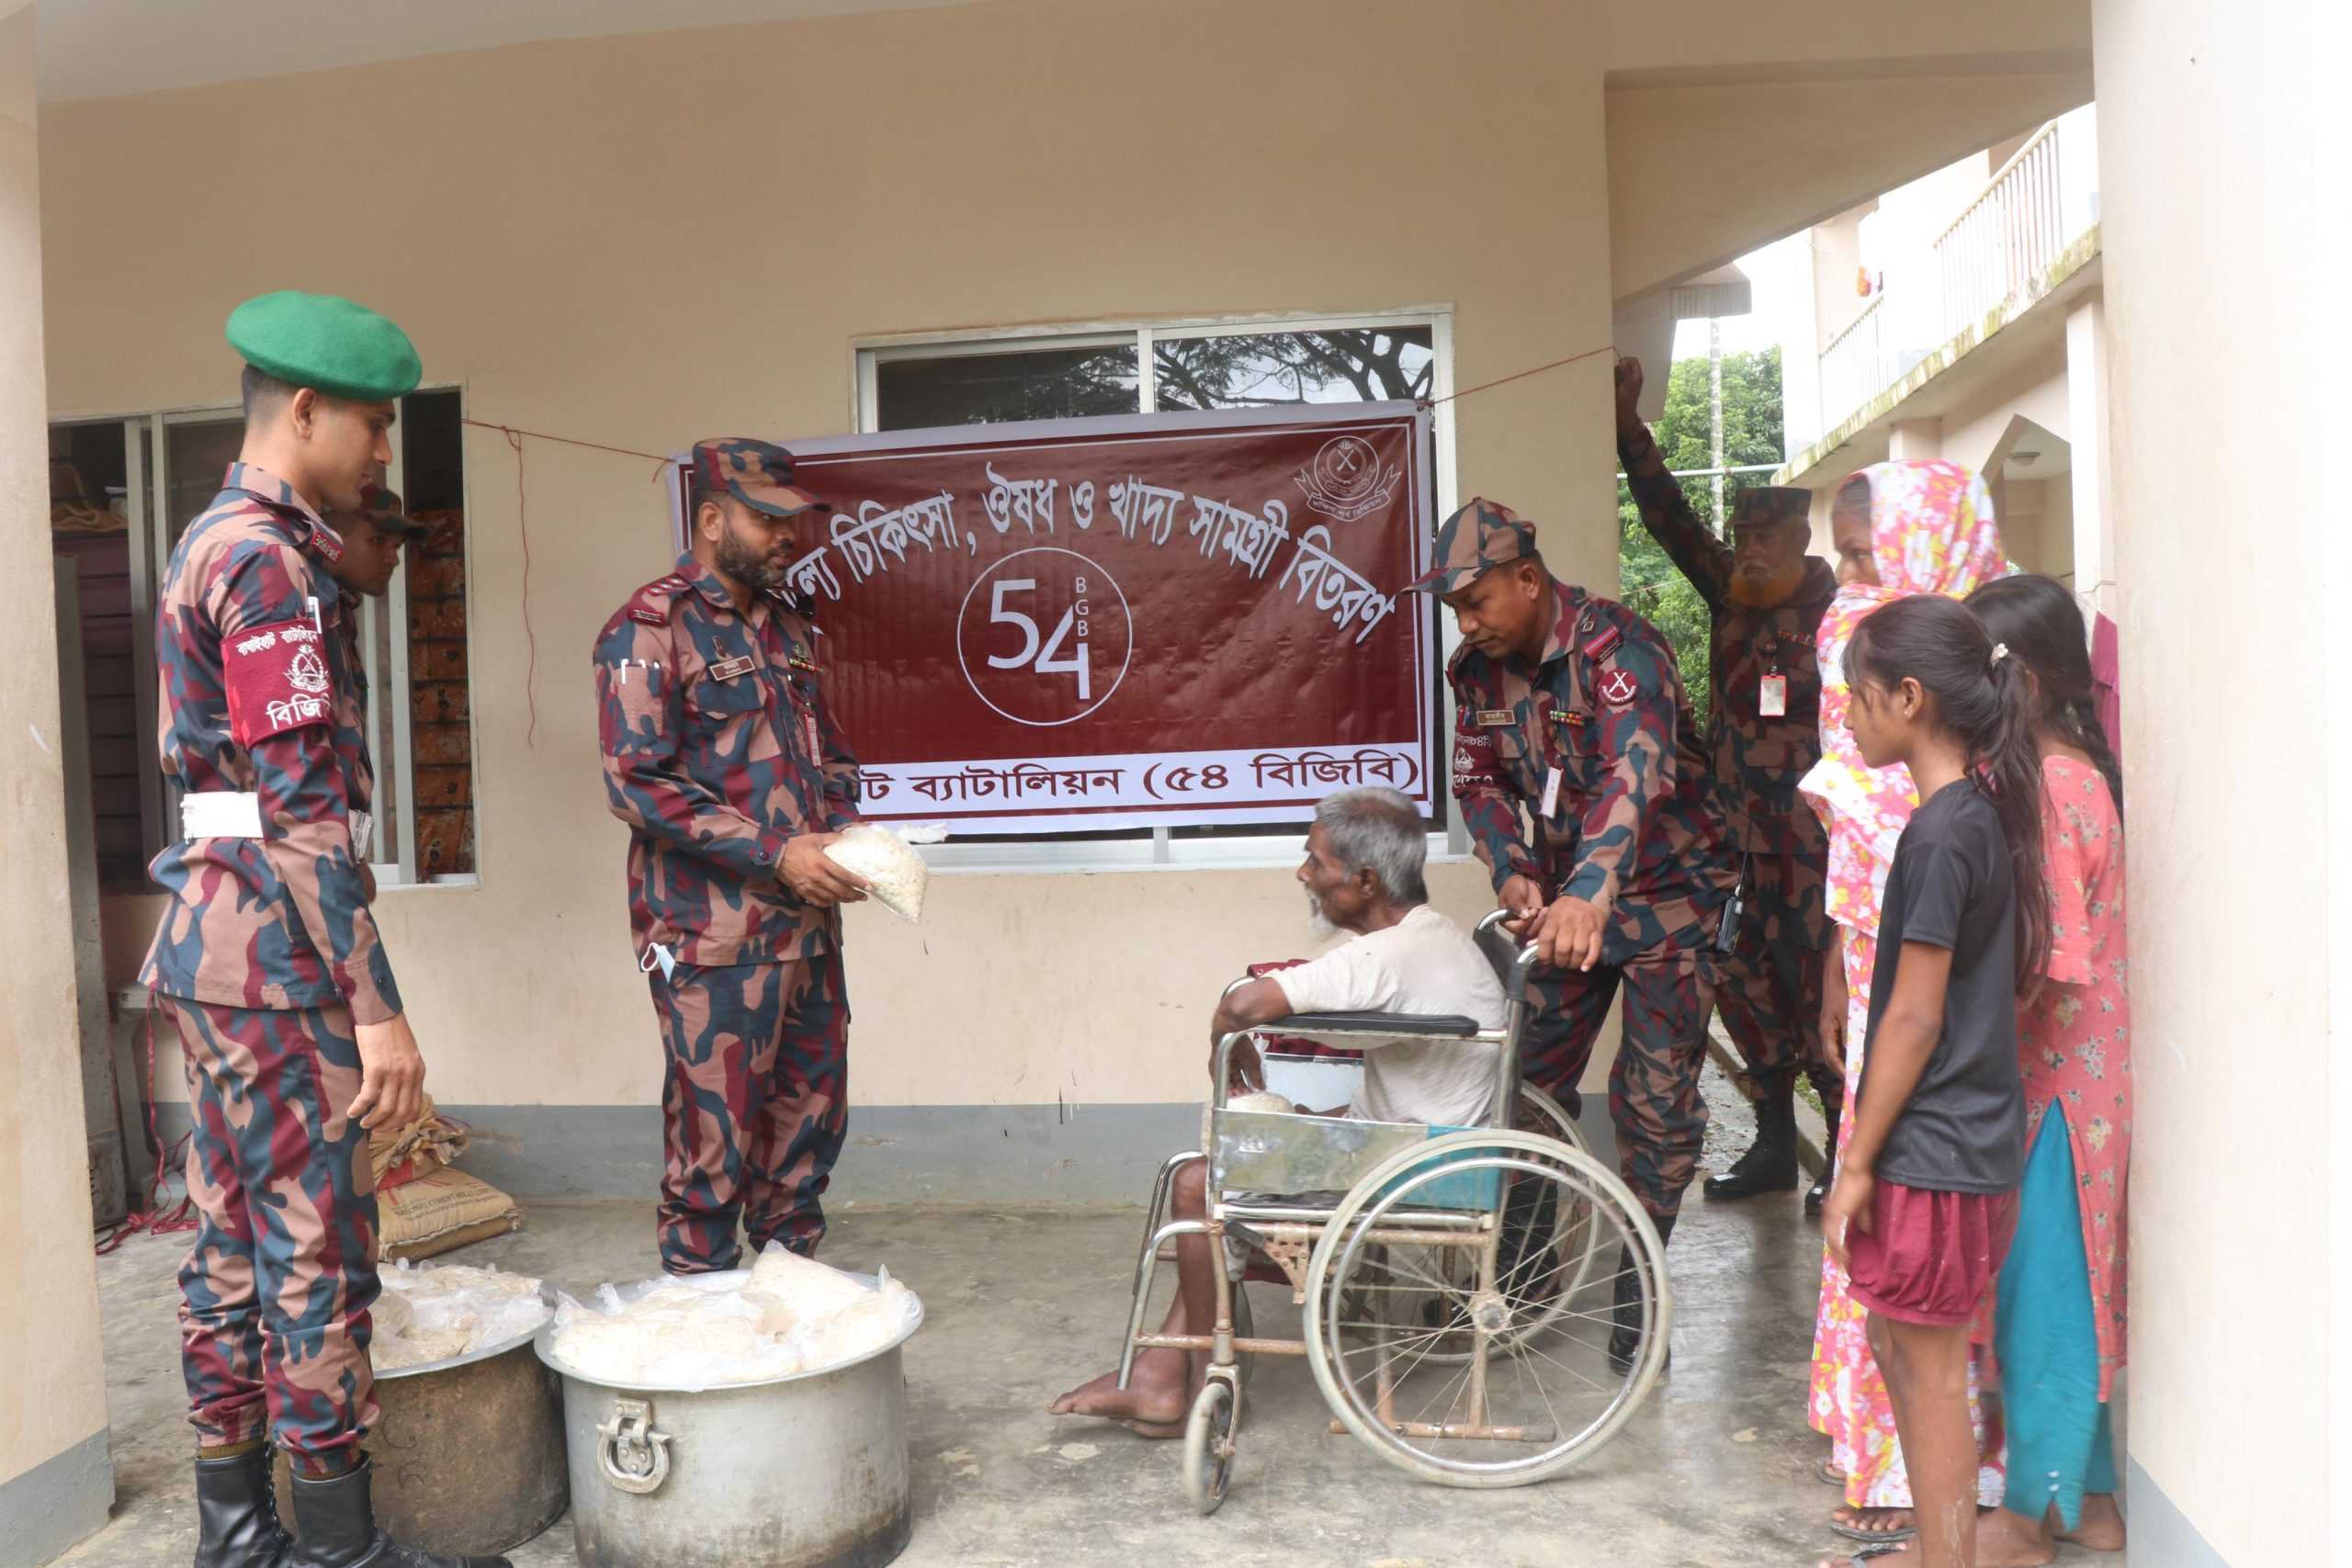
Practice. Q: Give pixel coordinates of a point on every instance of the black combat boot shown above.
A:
(338, 1524)
(1626, 1338)
(1771, 1163)
(237, 1514)
(1818, 1193)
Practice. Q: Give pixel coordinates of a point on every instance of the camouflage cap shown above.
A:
(757, 473)
(1481, 534)
(382, 508)
(1764, 505)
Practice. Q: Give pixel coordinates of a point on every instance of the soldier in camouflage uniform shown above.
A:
(1570, 707)
(721, 757)
(1766, 597)
(267, 961)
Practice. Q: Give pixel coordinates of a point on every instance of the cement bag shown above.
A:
(885, 859)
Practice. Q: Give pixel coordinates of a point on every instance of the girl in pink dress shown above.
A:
(2060, 1322)
(1899, 528)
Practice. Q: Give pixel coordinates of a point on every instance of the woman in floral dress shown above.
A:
(1900, 528)
(2058, 1328)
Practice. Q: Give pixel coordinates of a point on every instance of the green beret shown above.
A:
(322, 342)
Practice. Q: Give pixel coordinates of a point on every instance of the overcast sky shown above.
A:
(1781, 277)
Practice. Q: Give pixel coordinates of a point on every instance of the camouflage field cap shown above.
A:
(326, 343)
(1764, 505)
(383, 508)
(757, 473)
(1481, 534)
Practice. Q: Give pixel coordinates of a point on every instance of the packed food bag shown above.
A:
(431, 1314)
(785, 1314)
(887, 860)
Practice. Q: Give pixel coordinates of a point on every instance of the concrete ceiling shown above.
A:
(96, 49)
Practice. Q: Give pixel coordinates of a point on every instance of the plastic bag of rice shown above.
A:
(888, 861)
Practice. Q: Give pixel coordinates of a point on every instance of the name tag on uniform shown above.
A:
(728, 668)
(1551, 790)
(1495, 718)
(1772, 697)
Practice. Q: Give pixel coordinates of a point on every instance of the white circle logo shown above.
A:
(1044, 636)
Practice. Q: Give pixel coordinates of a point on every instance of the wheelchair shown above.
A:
(1456, 1283)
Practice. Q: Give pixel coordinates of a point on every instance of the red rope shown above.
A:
(530, 634)
(147, 1218)
(1520, 376)
(511, 432)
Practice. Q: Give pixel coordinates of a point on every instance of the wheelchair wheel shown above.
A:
(1387, 1327)
(1551, 1239)
(1209, 1444)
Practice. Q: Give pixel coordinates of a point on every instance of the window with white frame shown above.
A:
(124, 490)
(1153, 368)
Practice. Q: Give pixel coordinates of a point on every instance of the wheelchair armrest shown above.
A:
(1451, 1027)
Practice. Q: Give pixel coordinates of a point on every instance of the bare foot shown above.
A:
(2004, 1539)
(1139, 1405)
(2102, 1526)
(1872, 1522)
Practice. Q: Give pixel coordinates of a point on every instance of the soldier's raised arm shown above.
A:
(1695, 550)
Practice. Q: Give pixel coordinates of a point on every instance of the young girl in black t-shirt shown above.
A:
(1924, 1203)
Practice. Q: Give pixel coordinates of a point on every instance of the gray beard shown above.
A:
(751, 568)
(1318, 921)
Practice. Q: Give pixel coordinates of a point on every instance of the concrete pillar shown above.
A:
(56, 1478)
(2223, 397)
(2087, 418)
(1910, 439)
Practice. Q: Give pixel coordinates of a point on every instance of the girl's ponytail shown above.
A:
(1984, 692)
(2013, 762)
(2039, 620)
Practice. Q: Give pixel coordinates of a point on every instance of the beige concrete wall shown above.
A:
(646, 240)
(643, 241)
(53, 1401)
(2238, 950)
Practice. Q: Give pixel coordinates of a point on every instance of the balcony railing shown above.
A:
(1856, 367)
(2011, 233)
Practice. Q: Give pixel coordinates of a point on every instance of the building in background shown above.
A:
(1961, 316)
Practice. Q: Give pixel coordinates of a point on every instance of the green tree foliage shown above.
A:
(1751, 435)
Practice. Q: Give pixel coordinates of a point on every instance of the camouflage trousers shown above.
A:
(755, 1104)
(1769, 990)
(275, 1294)
(1654, 1102)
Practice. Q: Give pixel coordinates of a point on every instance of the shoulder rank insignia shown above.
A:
(650, 616)
(1603, 645)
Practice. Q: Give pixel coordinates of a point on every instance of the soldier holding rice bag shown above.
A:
(720, 755)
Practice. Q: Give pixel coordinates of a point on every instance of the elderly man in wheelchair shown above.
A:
(1453, 1241)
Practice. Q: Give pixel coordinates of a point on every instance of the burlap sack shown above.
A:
(438, 1211)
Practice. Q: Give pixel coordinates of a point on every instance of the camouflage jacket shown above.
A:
(1757, 761)
(718, 748)
(258, 695)
(1629, 829)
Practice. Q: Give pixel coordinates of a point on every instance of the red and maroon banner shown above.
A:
(1141, 620)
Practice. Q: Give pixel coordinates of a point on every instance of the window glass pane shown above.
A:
(1272, 369)
(196, 454)
(985, 389)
